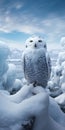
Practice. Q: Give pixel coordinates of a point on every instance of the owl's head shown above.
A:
(36, 42)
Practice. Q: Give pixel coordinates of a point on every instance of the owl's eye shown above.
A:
(31, 40)
(39, 40)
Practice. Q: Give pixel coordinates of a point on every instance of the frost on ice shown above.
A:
(32, 108)
(7, 71)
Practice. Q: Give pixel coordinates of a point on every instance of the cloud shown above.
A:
(51, 27)
(10, 5)
(16, 5)
(14, 19)
(10, 23)
(12, 44)
(26, 23)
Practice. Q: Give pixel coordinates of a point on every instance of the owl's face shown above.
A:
(35, 42)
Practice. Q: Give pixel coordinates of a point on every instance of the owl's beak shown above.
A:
(44, 46)
(35, 45)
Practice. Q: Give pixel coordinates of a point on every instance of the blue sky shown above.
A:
(20, 19)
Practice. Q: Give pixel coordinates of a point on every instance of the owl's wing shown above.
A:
(48, 64)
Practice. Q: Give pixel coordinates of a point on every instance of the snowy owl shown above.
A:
(36, 61)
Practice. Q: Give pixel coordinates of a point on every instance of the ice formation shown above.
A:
(56, 85)
(10, 82)
(62, 41)
(4, 52)
(10, 76)
(61, 57)
(8, 79)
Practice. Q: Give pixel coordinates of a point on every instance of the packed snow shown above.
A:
(25, 106)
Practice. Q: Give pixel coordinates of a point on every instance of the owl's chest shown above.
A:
(35, 59)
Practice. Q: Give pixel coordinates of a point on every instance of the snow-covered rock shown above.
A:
(53, 109)
(53, 87)
(16, 86)
(55, 112)
(61, 57)
(63, 65)
(62, 78)
(13, 115)
(44, 121)
(63, 87)
(61, 100)
(58, 70)
(4, 92)
(24, 93)
(24, 81)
